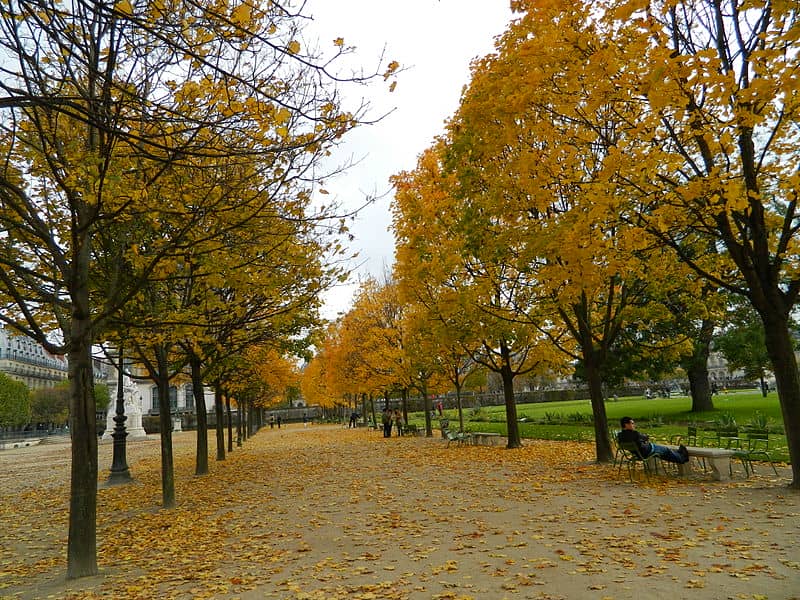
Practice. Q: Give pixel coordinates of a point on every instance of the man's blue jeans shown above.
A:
(665, 453)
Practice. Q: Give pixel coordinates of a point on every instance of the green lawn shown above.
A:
(661, 418)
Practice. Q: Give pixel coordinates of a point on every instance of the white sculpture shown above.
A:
(133, 408)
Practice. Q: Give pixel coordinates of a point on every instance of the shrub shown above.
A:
(578, 417)
(552, 417)
(725, 420)
(759, 421)
(479, 414)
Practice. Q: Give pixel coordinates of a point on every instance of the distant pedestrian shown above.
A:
(386, 419)
(279, 421)
(353, 419)
(272, 421)
(439, 407)
(305, 420)
(398, 419)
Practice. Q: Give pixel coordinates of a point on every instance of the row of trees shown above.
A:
(616, 173)
(157, 194)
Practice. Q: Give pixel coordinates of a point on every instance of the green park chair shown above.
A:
(757, 450)
(459, 437)
(687, 439)
(631, 456)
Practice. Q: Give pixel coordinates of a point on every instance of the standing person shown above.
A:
(272, 421)
(305, 420)
(439, 407)
(398, 419)
(628, 434)
(353, 419)
(279, 421)
(386, 419)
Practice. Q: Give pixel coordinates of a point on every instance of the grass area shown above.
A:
(661, 418)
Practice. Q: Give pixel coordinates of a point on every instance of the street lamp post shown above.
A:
(119, 464)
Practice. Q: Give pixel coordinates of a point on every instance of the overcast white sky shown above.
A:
(434, 41)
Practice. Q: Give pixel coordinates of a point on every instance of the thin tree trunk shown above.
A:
(165, 419)
(240, 424)
(201, 455)
(507, 375)
(514, 440)
(458, 405)
(220, 414)
(230, 421)
(82, 541)
(372, 408)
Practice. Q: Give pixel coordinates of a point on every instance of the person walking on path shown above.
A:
(629, 435)
(305, 420)
(353, 419)
(398, 419)
(279, 421)
(386, 419)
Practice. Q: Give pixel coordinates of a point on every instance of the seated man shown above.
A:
(647, 448)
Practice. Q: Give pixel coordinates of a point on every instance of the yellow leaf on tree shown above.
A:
(241, 14)
(125, 7)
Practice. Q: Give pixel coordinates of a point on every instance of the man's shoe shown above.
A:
(683, 452)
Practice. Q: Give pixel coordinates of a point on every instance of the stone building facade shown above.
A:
(25, 360)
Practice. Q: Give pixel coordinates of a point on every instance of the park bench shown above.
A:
(718, 460)
(484, 438)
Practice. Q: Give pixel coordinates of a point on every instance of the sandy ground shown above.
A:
(327, 512)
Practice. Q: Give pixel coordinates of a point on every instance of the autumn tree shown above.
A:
(694, 105)
(706, 99)
(453, 242)
(425, 275)
(100, 101)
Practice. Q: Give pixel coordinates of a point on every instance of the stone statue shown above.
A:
(133, 407)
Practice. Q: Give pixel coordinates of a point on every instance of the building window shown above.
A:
(173, 398)
(189, 396)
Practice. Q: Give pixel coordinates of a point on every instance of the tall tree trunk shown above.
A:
(507, 375)
(82, 541)
(595, 382)
(697, 369)
(784, 366)
(220, 414)
(201, 454)
(165, 419)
